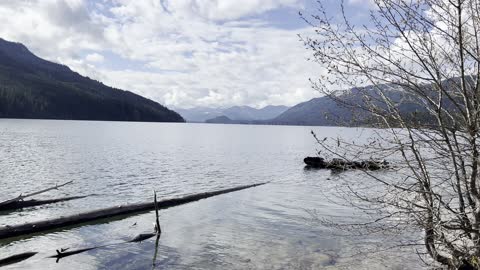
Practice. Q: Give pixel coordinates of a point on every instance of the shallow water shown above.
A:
(267, 227)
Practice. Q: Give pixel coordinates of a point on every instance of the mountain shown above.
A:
(326, 111)
(236, 113)
(31, 87)
(220, 120)
(321, 111)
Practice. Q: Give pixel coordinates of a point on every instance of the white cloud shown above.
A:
(186, 52)
(95, 58)
(227, 9)
(51, 28)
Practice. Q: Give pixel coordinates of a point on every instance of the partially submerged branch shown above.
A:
(158, 229)
(21, 196)
(30, 203)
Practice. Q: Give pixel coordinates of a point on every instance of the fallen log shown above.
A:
(74, 220)
(342, 165)
(16, 205)
(21, 197)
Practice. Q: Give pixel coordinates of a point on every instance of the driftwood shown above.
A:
(16, 258)
(21, 197)
(22, 204)
(74, 220)
(342, 165)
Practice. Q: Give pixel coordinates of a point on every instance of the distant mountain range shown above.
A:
(325, 111)
(236, 114)
(31, 87)
(322, 111)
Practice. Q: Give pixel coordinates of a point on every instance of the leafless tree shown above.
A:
(420, 61)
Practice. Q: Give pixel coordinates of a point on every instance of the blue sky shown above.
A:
(181, 53)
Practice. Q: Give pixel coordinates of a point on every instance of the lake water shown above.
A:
(267, 227)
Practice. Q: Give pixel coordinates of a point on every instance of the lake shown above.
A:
(274, 226)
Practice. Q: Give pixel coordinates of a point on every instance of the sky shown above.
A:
(180, 53)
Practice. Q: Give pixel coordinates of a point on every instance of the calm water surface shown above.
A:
(268, 227)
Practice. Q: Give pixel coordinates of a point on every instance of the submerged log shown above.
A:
(73, 220)
(141, 237)
(16, 258)
(62, 253)
(16, 205)
(341, 164)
